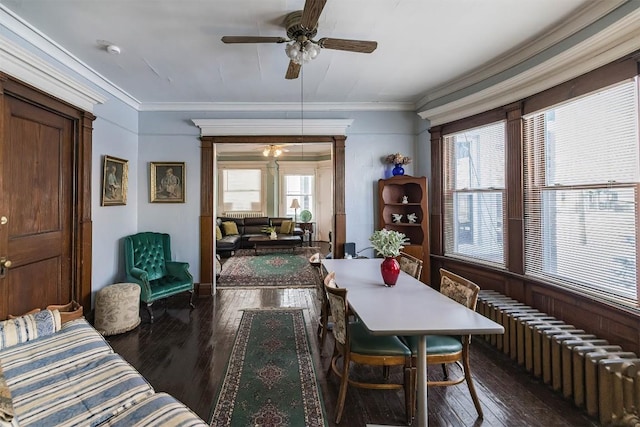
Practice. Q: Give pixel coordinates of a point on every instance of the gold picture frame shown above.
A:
(115, 181)
(167, 182)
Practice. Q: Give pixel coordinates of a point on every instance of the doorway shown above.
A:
(208, 190)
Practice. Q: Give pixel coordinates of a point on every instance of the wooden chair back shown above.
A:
(410, 265)
(339, 312)
(459, 289)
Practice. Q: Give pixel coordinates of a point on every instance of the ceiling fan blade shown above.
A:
(253, 39)
(311, 13)
(293, 71)
(361, 46)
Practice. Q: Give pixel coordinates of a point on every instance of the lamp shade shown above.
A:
(295, 204)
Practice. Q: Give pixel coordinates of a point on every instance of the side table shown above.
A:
(308, 228)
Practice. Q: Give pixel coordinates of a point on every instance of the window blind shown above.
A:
(581, 170)
(474, 184)
(242, 189)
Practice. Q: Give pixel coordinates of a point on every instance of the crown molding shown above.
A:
(21, 64)
(610, 44)
(277, 106)
(33, 36)
(589, 14)
(253, 127)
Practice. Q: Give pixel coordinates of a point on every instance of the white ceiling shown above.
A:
(171, 50)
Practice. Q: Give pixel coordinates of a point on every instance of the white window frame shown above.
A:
(297, 168)
(452, 209)
(615, 285)
(261, 166)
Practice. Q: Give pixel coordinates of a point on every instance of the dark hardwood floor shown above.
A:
(184, 352)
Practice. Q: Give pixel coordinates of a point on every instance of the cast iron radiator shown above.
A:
(599, 377)
(242, 214)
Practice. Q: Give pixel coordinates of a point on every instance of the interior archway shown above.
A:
(207, 192)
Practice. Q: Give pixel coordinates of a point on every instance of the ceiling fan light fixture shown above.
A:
(272, 151)
(301, 53)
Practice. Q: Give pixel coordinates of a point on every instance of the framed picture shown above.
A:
(115, 174)
(167, 182)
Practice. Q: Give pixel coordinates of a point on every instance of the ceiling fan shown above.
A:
(274, 150)
(302, 27)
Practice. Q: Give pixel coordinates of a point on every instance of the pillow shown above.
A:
(219, 232)
(6, 405)
(286, 227)
(230, 227)
(29, 327)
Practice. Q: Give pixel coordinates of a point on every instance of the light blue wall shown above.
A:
(171, 136)
(115, 133)
(142, 137)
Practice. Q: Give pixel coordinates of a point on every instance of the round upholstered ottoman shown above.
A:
(117, 308)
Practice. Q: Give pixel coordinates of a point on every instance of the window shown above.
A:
(242, 190)
(298, 187)
(474, 170)
(581, 192)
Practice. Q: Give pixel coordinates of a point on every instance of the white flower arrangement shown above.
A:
(398, 159)
(388, 243)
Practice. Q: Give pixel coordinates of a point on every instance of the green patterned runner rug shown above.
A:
(269, 269)
(270, 378)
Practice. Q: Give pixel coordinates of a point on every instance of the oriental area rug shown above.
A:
(269, 269)
(270, 378)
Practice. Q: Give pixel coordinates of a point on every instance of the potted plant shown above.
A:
(271, 231)
(388, 243)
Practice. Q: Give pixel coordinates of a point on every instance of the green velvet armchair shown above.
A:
(148, 263)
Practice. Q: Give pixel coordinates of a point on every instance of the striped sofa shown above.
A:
(72, 377)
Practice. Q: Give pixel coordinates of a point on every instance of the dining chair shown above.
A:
(353, 343)
(444, 349)
(410, 264)
(323, 323)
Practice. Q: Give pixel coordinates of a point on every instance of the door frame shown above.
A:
(81, 178)
(208, 170)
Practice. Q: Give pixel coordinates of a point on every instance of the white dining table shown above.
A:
(408, 308)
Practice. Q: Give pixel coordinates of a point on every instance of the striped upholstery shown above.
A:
(28, 327)
(73, 378)
(160, 409)
(83, 394)
(76, 342)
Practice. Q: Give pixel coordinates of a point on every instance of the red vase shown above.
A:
(390, 269)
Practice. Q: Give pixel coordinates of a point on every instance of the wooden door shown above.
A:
(36, 186)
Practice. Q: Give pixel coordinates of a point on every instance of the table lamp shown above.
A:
(295, 205)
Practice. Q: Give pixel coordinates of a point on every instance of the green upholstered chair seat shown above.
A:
(436, 344)
(362, 342)
(167, 286)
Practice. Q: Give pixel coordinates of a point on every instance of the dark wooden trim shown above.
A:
(514, 239)
(339, 212)
(83, 266)
(481, 119)
(615, 322)
(81, 262)
(601, 77)
(436, 222)
(207, 202)
(207, 221)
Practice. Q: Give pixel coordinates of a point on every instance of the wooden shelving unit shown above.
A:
(390, 194)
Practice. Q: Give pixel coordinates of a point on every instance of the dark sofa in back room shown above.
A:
(228, 241)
